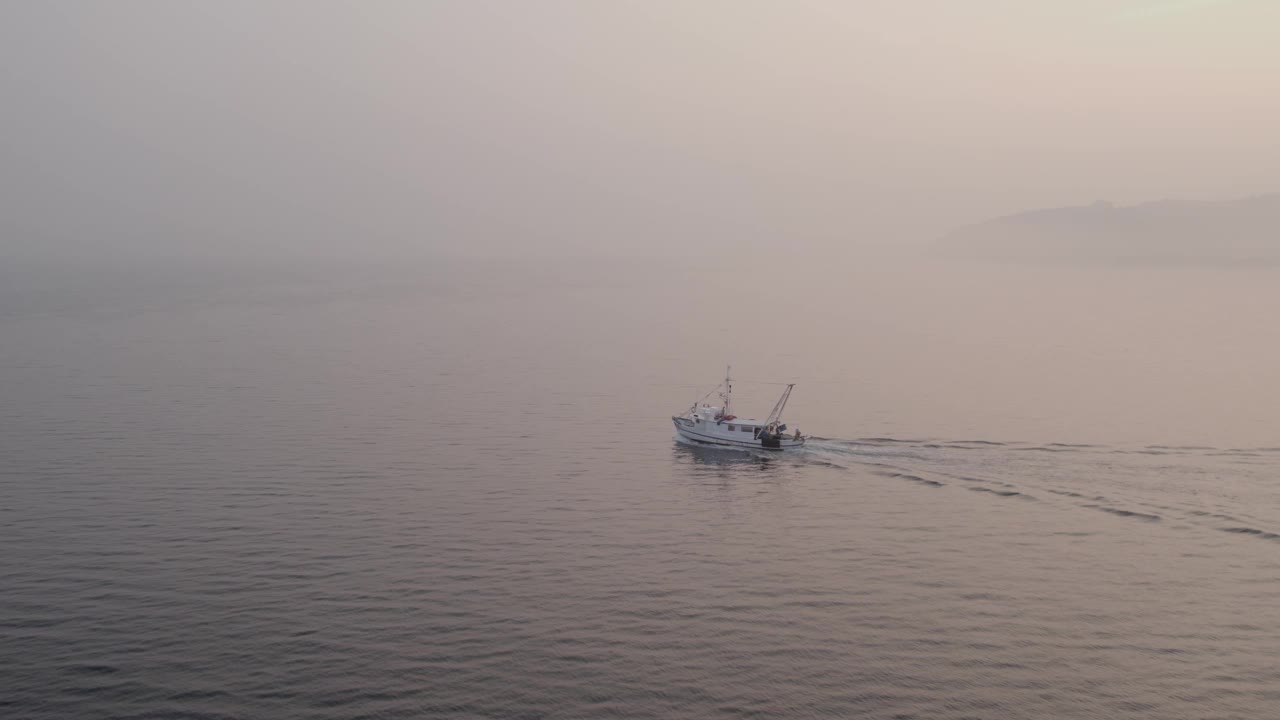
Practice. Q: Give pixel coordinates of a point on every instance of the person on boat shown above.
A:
(797, 437)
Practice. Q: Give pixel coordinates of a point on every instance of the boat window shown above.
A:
(747, 429)
(732, 428)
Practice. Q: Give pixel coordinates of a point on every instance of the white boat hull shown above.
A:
(708, 433)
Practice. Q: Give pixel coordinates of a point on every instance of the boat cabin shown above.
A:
(712, 415)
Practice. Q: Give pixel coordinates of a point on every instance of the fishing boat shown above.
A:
(717, 425)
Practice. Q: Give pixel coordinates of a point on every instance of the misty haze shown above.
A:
(361, 359)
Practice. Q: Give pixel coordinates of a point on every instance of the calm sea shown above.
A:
(451, 490)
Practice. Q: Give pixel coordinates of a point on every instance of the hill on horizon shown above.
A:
(1235, 232)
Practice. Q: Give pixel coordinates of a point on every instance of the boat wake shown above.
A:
(1182, 487)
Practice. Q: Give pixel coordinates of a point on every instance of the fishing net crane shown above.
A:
(776, 415)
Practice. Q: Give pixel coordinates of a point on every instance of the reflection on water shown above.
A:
(727, 458)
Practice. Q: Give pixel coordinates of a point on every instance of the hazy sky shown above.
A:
(380, 128)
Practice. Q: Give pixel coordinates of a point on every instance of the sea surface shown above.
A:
(451, 489)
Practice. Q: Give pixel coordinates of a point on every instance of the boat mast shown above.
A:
(728, 390)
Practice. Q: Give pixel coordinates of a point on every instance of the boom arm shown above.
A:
(776, 415)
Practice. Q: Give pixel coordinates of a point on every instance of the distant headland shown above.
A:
(1235, 232)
